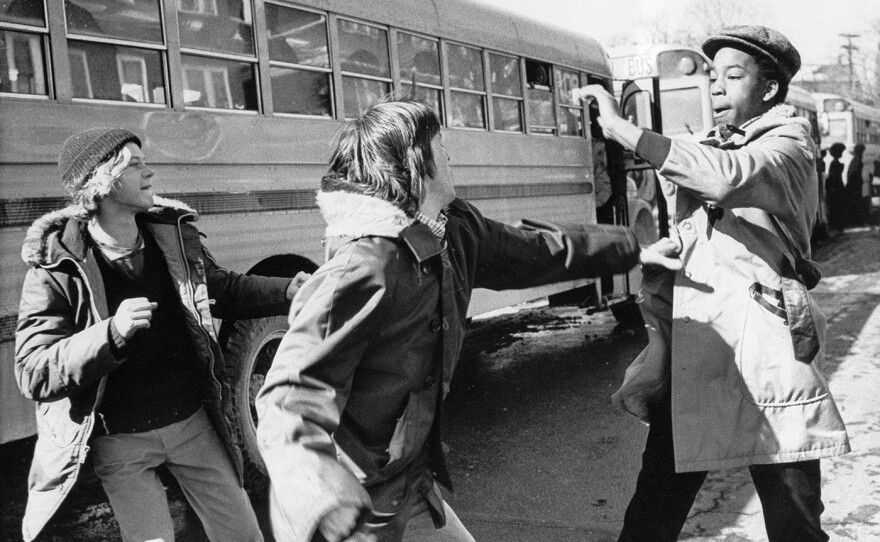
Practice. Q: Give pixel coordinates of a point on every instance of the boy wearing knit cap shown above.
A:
(115, 342)
(744, 344)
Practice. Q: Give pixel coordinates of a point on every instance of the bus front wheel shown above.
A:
(251, 347)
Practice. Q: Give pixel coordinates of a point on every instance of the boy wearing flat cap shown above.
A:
(744, 346)
(115, 343)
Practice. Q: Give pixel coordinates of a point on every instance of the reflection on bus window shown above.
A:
(136, 21)
(216, 83)
(22, 70)
(540, 94)
(301, 92)
(361, 94)
(569, 112)
(114, 72)
(682, 113)
(363, 49)
(430, 96)
(222, 26)
(508, 114)
(25, 12)
(419, 58)
(506, 81)
(467, 96)
(465, 67)
(467, 110)
(297, 36)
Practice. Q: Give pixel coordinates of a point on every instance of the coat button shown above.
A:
(425, 269)
(686, 319)
(436, 324)
(686, 225)
(429, 382)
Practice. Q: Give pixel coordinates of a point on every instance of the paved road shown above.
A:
(539, 454)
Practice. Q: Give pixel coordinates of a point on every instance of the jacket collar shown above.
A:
(778, 115)
(354, 215)
(62, 233)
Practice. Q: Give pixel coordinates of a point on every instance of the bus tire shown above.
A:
(250, 347)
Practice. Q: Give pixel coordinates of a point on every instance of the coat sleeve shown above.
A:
(242, 296)
(536, 253)
(53, 359)
(305, 391)
(774, 173)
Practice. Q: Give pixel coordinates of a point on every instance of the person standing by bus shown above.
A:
(115, 342)
(746, 389)
(350, 412)
(835, 191)
(855, 181)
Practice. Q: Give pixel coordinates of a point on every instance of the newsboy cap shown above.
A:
(84, 151)
(757, 40)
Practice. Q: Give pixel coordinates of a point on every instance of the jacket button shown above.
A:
(435, 325)
(686, 225)
(686, 319)
(429, 382)
(425, 269)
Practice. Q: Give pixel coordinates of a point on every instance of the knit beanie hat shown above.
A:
(84, 151)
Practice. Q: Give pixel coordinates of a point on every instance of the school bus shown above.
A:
(664, 88)
(238, 103)
(846, 121)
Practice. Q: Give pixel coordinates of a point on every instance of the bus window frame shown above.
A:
(398, 81)
(444, 73)
(521, 99)
(261, 37)
(336, 60)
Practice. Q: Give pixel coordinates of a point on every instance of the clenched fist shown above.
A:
(133, 314)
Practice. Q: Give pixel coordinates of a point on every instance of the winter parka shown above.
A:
(739, 396)
(62, 345)
(350, 410)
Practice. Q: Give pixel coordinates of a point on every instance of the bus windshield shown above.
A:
(682, 111)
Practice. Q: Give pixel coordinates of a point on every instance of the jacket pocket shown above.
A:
(771, 374)
(54, 423)
(412, 430)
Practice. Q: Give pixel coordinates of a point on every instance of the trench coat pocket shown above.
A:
(55, 424)
(412, 429)
(771, 372)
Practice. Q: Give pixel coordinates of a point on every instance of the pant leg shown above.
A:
(662, 499)
(791, 497)
(197, 458)
(126, 465)
(420, 528)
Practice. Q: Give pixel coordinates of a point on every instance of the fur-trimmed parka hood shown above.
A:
(350, 213)
(62, 233)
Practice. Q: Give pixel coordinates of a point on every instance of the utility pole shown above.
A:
(849, 56)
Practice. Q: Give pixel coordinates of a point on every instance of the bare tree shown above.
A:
(707, 17)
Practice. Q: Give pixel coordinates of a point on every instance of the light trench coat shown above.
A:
(739, 396)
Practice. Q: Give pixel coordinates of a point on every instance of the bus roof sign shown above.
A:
(634, 67)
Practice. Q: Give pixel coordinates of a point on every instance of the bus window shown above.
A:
(540, 88)
(570, 113)
(109, 71)
(637, 107)
(838, 129)
(682, 112)
(139, 21)
(365, 66)
(300, 61)
(227, 28)
(468, 87)
(420, 62)
(22, 63)
(504, 74)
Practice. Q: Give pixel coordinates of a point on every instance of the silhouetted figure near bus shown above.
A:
(835, 192)
(855, 184)
(350, 411)
(116, 344)
(820, 230)
(738, 331)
